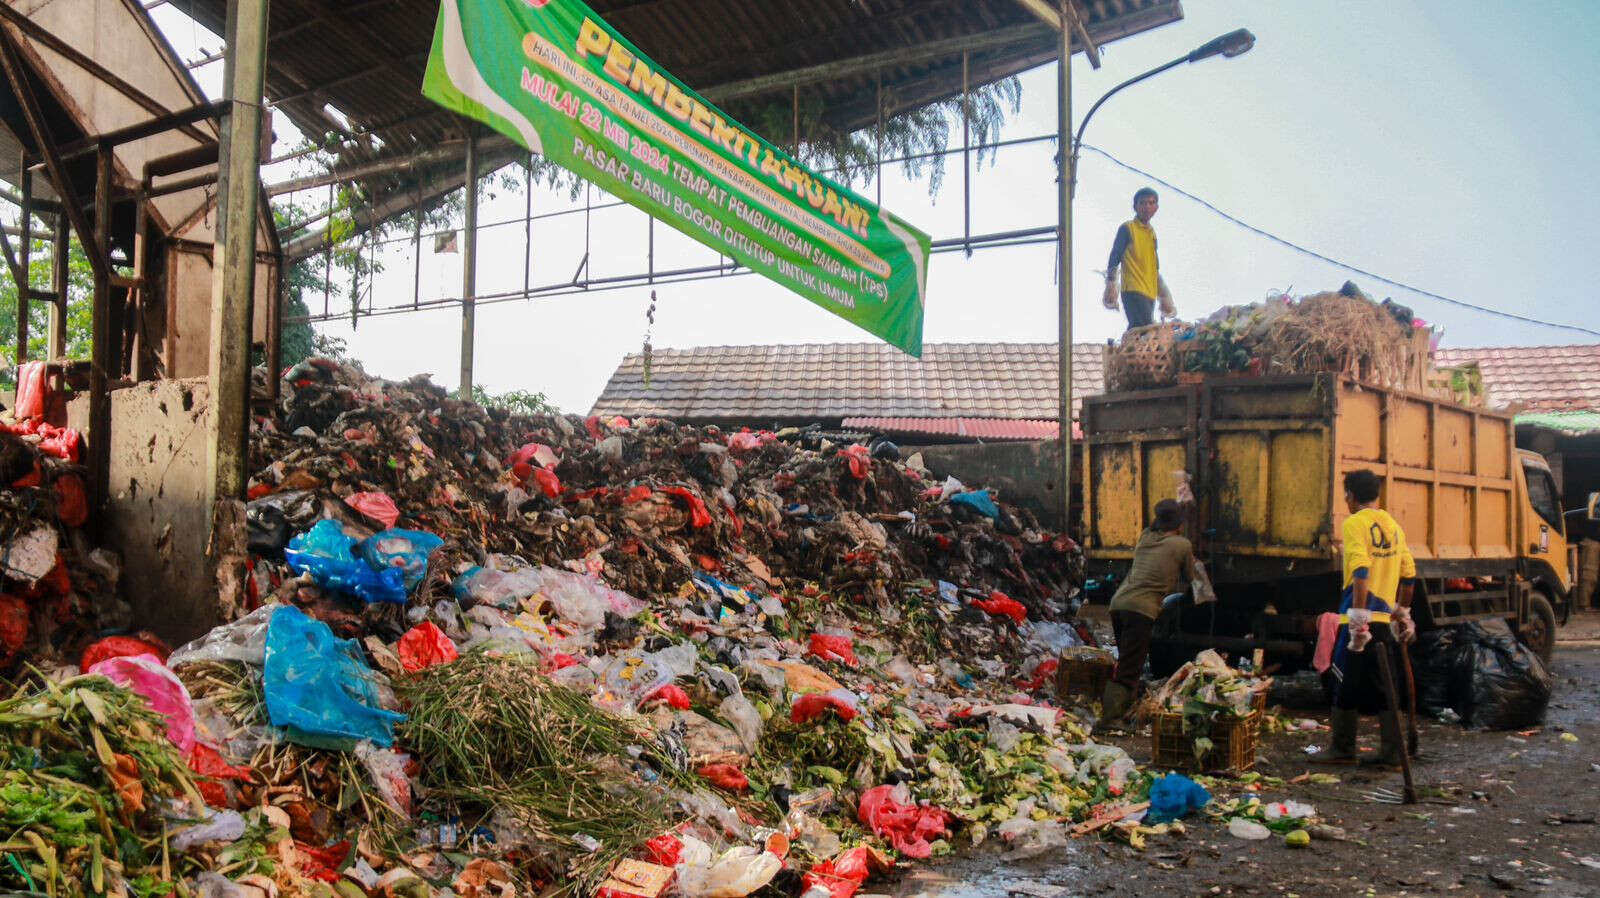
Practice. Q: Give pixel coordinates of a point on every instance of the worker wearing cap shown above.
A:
(1133, 252)
(1375, 616)
(1161, 560)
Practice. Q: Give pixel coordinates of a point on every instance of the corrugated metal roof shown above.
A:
(1574, 423)
(966, 428)
(1011, 381)
(1535, 378)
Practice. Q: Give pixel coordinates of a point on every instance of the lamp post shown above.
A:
(1234, 43)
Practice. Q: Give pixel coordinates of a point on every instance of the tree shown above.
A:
(517, 402)
(80, 307)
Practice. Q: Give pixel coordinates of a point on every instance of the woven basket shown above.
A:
(1145, 358)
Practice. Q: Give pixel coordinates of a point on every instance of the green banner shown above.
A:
(554, 77)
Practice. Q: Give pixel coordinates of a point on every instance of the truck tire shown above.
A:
(1538, 632)
(1166, 653)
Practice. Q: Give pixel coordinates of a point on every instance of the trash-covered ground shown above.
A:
(1502, 813)
(489, 656)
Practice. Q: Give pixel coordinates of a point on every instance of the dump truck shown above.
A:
(1266, 457)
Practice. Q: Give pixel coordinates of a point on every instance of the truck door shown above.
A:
(1544, 534)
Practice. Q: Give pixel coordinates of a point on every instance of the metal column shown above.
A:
(102, 356)
(25, 262)
(234, 278)
(469, 266)
(60, 283)
(1064, 259)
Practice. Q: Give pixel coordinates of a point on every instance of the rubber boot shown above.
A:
(1342, 749)
(1114, 705)
(1390, 742)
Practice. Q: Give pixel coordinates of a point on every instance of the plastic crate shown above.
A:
(1233, 749)
(1085, 676)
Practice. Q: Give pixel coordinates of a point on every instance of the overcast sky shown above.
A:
(1445, 150)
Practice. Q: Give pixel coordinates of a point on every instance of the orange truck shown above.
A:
(1266, 457)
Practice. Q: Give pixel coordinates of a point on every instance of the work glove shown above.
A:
(1111, 299)
(1360, 628)
(1405, 630)
(1164, 299)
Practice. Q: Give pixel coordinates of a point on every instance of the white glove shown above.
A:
(1360, 628)
(1164, 299)
(1405, 630)
(1111, 299)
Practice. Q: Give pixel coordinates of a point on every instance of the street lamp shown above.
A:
(1234, 43)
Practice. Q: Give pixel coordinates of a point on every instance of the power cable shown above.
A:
(1332, 261)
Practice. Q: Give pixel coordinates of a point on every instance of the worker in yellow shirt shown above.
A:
(1379, 574)
(1133, 252)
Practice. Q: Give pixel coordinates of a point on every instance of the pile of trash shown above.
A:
(58, 592)
(1208, 686)
(1343, 332)
(495, 656)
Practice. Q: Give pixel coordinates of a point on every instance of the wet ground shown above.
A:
(1504, 813)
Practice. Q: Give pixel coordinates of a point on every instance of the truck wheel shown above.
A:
(1166, 653)
(1538, 633)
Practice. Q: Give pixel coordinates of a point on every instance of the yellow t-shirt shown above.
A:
(1373, 540)
(1140, 270)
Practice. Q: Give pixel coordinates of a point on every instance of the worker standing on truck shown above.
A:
(1161, 559)
(1134, 253)
(1375, 616)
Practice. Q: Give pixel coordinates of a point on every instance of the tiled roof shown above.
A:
(849, 380)
(1535, 378)
(1580, 423)
(971, 428)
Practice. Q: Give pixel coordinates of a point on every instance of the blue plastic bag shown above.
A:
(1174, 796)
(979, 501)
(319, 687)
(405, 551)
(330, 557)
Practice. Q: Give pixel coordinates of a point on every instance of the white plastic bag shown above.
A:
(738, 872)
(745, 719)
(243, 640)
(1240, 828)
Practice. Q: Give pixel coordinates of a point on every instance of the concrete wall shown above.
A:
(157, 516)
(1024, 474)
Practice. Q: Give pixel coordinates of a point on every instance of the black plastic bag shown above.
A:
(1484, 674)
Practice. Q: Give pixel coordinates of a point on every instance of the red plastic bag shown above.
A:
(809, 707)
(424, 646)
(665, 849)
(1042, 673)
(636, 494)
(844, 873)
(14, 626)
(699, 515)
(743, 441)
(561, 661)
(377, 506)
(725, 776)
(999, 604)
(549, 483)
(72, 502)
(833, 648)
(908, 827)
(672, 694)
(322, 864)
(121, 647)
(859, 460)
(208, 762)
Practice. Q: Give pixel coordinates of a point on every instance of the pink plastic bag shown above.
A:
(424, 646)
(31, 391)
(377, 506)
(164, 691)
(833, 648)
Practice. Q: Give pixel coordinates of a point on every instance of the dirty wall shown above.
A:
(1024, 473)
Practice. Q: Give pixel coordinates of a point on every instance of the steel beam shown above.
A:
(234, 272)
(61, 281)
(469, 266)
(1064, 270)
(102, 343)
(1047, 13)
(24, 260)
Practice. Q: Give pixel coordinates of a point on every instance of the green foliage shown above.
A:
(80, 310)
(517, 402)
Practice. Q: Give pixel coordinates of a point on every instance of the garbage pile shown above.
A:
(1343, 332)
(57, 590)
(496, 656)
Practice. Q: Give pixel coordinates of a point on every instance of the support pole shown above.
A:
(275, 335)
(24, 260)
(101, 345)
(234, 272)
(1064, 270)
(61, 283)
(966, 156)
(469, 266)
